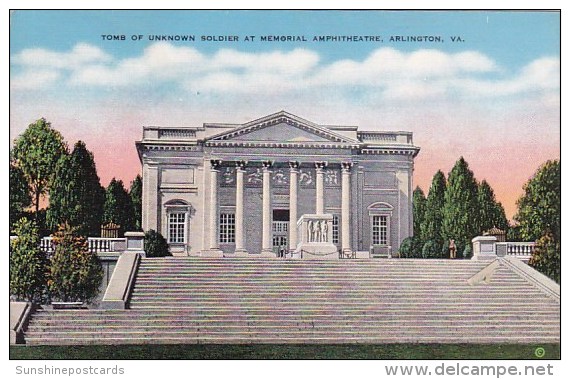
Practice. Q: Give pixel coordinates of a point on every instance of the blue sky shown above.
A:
(512, 38)
(493, 98)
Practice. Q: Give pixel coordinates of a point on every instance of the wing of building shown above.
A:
(277, 185)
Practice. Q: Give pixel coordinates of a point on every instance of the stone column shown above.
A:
(293, 217)
(320, 188)
(240, 170)
(345, 207)
(214, 165)
(266, 243)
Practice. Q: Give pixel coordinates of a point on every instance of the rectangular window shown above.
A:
(380, 230)
(227, 228)
(177, 227)
(335, 230)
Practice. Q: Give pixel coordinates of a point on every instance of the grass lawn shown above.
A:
(388, 351)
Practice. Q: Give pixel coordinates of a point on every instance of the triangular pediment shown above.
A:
(281, 127)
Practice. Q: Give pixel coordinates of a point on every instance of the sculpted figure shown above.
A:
(324, 232)
(318, 231)
(452, 249)
(310, 231)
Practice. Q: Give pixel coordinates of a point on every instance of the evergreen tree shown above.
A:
(20, 198)
(36, 152)
(546, 257)
(118, 206)
(136, 198)
(460, 211)
(419, 209)
(76, 194)
(28, 265)
(491, 212)
(75, 273)
(431, 228)
(539, 209)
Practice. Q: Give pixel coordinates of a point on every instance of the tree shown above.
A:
(135, 193)
(460, 211)
(118, 206)
(75, 273)
(76, 194)
(20, 198)
(419, 209)
(546, 257)
(491, 212)
(28, 265)
(36, 152)
(433, 220)
(539, 209)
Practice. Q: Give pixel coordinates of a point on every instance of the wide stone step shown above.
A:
(331, 333)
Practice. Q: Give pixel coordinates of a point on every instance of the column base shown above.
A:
(267, 253)
(212, 253)
(240, 253)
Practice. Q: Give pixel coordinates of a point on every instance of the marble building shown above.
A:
(278, 186)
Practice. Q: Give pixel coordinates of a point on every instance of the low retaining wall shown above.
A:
(20, 312)
(121, 284)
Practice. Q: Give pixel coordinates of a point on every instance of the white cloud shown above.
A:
(81, 54)
(34, 79)
(386, 74)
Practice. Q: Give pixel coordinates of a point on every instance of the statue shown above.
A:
(452, 249)
(324, 231)
(310, 231)
(318, 231)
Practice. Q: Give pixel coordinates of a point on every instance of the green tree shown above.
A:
(118, 206)
(433, 220)
(75, 273)
(20, 198)
(546, 257)
(491, 212)
(135, 193)
(28, 265)
(539, 209)
(36, 152)
(76, 194)
(419, 210)
(460, 211)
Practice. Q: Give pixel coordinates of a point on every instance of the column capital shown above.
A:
(215, 164)
(320, 165)
(267, 165)
(294, 165)
(346, 166)
(240, 165)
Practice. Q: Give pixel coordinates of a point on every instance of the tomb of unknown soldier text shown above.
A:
(278, 186)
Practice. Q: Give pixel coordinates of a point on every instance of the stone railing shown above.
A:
(521, 250)
(106, 245)
(131, 241)
(385, 137)
(487, 247)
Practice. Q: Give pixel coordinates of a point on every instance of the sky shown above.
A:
(484, 85)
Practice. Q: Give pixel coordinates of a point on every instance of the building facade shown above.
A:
(278, 185)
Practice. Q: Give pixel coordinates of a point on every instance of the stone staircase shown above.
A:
(213, 301)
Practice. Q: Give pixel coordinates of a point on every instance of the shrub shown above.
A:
(28, 265)
(75, 272)
(155, 245)
(431, 249)
(410, 248)
(467, 251)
